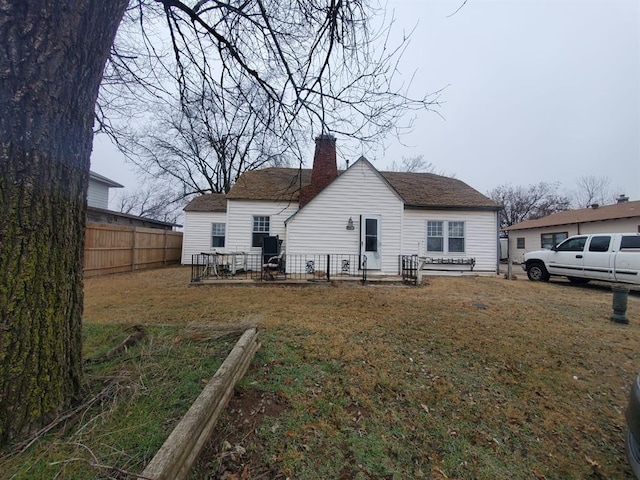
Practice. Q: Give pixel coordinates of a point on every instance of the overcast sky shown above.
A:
(536, 90)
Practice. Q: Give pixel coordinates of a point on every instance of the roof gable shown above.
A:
(343, 176)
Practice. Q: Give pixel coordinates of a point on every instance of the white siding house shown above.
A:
(241, 214)
(201, 215)
(545, 232)
(480, 235)
(200, 228)
(360, 212)
(357, 194)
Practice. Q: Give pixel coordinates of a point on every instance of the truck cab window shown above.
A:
(600, 243)
(630, 241)
(575, 244)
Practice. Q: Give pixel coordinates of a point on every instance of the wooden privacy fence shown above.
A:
(115, 249)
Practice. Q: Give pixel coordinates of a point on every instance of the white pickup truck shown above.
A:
(611, 257)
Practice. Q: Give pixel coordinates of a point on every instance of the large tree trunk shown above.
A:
(52, 55)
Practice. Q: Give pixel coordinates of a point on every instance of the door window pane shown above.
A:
(371, 235)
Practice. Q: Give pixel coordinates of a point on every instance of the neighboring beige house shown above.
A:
(98, 206)
(359, 211)
(545, 232)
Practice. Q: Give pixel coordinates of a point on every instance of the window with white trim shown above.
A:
(260, 230)
(455, 236)
(435, 240)
(217, 235)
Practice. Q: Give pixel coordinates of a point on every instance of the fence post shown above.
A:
(164, 251)
(328, 268)
(134, 245)
(364, 269)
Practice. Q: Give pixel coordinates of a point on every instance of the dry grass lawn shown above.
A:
(468, 377)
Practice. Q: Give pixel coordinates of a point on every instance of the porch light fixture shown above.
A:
(350, 224)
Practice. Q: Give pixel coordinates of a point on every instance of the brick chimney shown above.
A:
(325, 168)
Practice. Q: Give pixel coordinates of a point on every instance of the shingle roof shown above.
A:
(271, 183)
(209, 202)
(418, 190)
(583, 215)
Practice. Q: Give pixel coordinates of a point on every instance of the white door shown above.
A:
(370, 241)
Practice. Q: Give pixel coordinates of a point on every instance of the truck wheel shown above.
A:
(579, 280)
(537, 273)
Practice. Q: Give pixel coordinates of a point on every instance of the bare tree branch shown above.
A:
(525, 203)
(295, 67)
(592, 189)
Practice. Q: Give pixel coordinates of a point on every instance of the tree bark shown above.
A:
(52, 56)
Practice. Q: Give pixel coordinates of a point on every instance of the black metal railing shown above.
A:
(409, 268)
(310, 267)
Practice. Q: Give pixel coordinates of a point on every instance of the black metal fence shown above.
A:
(409, 268)
(311, 267)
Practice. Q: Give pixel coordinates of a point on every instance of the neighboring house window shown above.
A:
(217, 235)
(550, 240)
(455, 237)
(260, 230)
(520, 242)
(435, 241)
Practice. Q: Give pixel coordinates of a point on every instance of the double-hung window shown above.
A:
(260, 230)
(445, 236)
(435, 239)
(217, 235)
(456, 237)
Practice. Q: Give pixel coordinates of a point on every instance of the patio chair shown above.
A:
(274, 266)
(272, 257)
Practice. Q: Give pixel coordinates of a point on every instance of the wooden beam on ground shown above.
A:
(178, 453)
